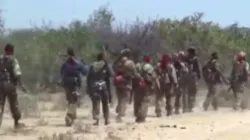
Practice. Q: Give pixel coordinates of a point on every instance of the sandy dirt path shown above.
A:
(224, 124)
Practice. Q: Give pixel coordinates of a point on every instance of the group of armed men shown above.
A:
(174, 78)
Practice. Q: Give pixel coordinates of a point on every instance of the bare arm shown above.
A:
(172, 73)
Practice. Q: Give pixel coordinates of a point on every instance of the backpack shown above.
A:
(165, 76)
(7, 68)
(147, 73)
(242, 71)
(209, 73)
(181, 72)
(98, 70)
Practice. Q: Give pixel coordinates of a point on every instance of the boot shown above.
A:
(97, 122)
(169, 112)
(118, 119)
(18, 125)
(106, 122)
(215, 106)
(205, 106)
(68, 121)
(177, 112)
(236, 105)
(158, 113)
(138, 120)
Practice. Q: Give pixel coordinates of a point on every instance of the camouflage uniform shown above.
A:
(193, 76)
(239, 77)
(8, 86)
(144, 87)
(159, 93)
(98, 91)
(125, 69)
(135, 82)
(108, 82)
(212, 75)
(168, 82)
(70, 75)
(181, 90)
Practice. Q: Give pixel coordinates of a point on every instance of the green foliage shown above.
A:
(37, 48)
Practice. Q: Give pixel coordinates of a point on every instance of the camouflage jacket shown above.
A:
(181, 71)
(98, 72)
(127, 69)
(11, 65)
(212, 72)
(193, 67)
(169, 75)
(147, 72)
(240, 71)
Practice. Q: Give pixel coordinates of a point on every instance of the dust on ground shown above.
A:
(44, 119)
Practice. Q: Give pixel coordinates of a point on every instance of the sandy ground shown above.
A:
(224, 124)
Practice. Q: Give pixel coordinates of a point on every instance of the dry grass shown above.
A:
(79, 127)
(226, 98)
(112, 136)
(42, 122)
(60, 136)
(44, 97)
(59, 103)
(29, 105)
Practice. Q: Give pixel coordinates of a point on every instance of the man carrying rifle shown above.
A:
(194, 75)
(212, 75)
(10, 74)
(125, 72)
(238, 79)
(97, 88)
(143, 89)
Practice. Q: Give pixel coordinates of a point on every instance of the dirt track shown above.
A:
(225, 124)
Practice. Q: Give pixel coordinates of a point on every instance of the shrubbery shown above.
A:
(37, 48)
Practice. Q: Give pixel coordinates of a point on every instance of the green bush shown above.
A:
(37, 48)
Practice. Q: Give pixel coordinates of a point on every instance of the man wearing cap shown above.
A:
(212, 74)
(125, 71)
(143, 89)
(194, 74)
(238, 79)
(11, 77)
(70, 76)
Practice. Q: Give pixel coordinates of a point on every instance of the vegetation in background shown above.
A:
(37, 48)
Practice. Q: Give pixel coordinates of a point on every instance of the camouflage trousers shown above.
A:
(8, 91)
(72, 98)
(158, 101)
(191, 95)
(101, 98)
(212, 97)
(239, 96)
(180, 94)
(123, 100)
(141, 104)
(166, 90)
